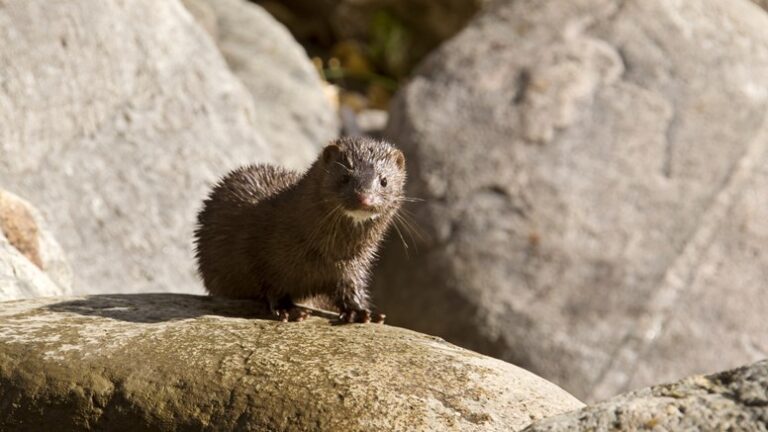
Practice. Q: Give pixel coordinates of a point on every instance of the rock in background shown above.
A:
(734, 400)
(163, 362)
(594, 174)
(115, 118)
(32, 263)
(293, 112)
(762, 3)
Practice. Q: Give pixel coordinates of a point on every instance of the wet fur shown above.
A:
(273, 234)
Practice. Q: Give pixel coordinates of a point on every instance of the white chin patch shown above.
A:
(360, 216)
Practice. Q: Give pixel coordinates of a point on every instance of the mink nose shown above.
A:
(365, 200)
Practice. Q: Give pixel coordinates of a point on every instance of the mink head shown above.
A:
(363, 177)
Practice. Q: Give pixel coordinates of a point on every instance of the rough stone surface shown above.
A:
(735, 400)
(162, 362)
(594, 205)
(292, 111)
(115, 117)
(204, 15)
(31, 261)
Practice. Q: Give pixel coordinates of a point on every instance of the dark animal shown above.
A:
(283, 237)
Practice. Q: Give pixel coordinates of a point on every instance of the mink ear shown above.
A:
(399, 159)
(331, 153)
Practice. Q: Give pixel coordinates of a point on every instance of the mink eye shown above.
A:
(345, 178)
(383, 182)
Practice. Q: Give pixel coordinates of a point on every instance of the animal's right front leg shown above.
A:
(284, 309)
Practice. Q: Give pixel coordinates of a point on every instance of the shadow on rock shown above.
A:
(154, 308)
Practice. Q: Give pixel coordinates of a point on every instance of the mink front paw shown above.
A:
(361, 316)
(293, 314)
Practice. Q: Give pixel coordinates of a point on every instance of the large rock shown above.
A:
(169, 362)
(32, 263)
(762, 3)
(115, 118)
(594, 177)
(734, 400)
(293, 112)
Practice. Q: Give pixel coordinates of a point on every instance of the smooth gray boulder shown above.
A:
(165, 362)
(115, 118)
(293, 112)
(593, 174)
(32, 264)
(734, 400)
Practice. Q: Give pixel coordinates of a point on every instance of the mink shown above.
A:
(283, 237)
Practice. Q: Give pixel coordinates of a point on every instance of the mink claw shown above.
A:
(282, 315)
(361, 317)
(294, 314)
(364, 317)
(300, 314)
(347, 316)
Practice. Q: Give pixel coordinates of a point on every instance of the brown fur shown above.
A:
(282, 237)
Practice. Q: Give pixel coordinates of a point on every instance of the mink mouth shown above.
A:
(359, 215)
(354, 207)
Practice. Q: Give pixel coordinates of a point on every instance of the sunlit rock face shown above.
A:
(165, 362)
(593, 176)
(116, 117)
